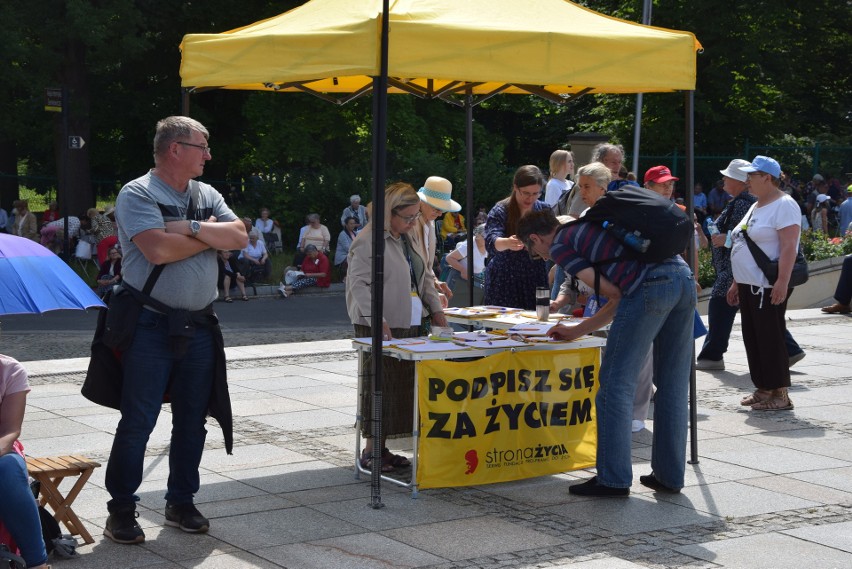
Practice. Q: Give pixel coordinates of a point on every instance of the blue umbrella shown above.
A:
(34, 280)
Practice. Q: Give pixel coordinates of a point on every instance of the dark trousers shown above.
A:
(763, 328)
(720, 322)
(843, 292)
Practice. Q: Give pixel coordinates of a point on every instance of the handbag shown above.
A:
(799, 276)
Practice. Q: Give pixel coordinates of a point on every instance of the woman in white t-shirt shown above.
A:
(774, 224)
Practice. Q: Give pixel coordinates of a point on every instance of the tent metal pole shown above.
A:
(689, 109)
(647, 7)
(380, 129)
(471, 212)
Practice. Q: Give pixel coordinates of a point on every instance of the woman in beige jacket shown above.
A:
(405, 288)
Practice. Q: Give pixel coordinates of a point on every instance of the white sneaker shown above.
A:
(637, 425)
(282, 290)
(710, 365)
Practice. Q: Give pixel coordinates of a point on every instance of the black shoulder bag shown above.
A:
(114, 334)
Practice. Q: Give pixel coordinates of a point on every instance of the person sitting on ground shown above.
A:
(25, 224)
(344, 242)
(356, 210)
(266, 225)
(481, 216)
(316, 269)
(53, 233)
(254, 260)
(453, 229)
(51, 213)
(103, 230)
(454, 263)
(110, 273)
(843, 292)
(316, 234)
(19, 517)
(230, 275)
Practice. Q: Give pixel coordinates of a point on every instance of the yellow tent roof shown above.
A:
(553, 48)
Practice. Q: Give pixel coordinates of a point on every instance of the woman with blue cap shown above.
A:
(773, 223)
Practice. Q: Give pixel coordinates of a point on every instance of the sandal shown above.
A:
(837, 308)
(366, 462)
(758, 396)
(244, 298)
(777, 403)
(394, 460)
(228, 299)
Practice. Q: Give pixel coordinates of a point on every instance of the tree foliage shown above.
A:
(771, 72)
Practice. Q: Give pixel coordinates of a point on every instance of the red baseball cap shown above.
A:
(659, 174)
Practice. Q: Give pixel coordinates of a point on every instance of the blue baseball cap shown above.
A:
(764, 164)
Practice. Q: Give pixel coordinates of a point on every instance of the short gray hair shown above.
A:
(598, 172)
(312, 217)
(604, 148)
(175, 128)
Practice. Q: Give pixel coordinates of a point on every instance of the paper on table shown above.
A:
(500, 309)
(530, 329)
(427, 346)
(470, 312)
(477, 335)
(499, 343)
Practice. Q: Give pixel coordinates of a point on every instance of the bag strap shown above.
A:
(194, 191)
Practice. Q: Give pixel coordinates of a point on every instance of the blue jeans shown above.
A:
(149, 372)
(659, 314)
(720, 322)
(558, 279)
(18, 509)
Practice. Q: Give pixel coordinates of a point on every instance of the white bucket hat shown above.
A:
(733, 169)
(438, 192)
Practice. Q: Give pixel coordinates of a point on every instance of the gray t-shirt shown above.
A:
(147, 203)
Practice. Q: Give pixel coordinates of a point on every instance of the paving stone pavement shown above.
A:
(770, 489)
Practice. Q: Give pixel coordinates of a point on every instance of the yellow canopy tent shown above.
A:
(342, 49)
(551, 48)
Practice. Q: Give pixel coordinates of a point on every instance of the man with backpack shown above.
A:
(646, 293)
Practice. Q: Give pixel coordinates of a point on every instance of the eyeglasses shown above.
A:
(201, 147)
(529, 194)
(409, 218)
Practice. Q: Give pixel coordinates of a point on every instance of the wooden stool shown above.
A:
(50, 472)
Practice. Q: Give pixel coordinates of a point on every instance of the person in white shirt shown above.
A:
(561, 167)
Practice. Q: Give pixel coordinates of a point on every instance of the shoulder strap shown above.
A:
(194, 191)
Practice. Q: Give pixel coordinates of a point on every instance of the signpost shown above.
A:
(76, 142)
(53, 100)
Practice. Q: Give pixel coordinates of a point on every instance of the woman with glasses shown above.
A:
(773, 223)
(408, 298)
(511, 275)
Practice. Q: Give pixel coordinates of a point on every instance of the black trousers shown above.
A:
(763, 329)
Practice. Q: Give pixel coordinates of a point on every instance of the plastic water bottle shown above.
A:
(632, 240)
(711, 227)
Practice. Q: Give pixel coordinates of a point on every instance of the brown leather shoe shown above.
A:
(837, 308)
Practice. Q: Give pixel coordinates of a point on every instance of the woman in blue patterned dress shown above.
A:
(511, 275)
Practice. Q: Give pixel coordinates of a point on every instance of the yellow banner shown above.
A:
(506, 417)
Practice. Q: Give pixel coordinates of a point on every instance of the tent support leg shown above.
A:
(689, 111)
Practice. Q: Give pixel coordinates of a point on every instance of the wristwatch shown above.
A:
(194, 227)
